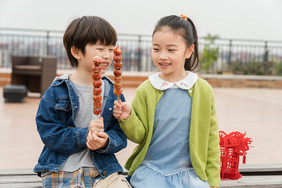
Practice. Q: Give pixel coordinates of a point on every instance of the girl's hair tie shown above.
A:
(183, 16)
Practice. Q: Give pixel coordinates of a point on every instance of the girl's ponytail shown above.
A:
(193, 62)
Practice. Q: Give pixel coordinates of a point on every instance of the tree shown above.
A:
(210, 53)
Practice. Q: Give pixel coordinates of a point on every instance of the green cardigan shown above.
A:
(204, 139)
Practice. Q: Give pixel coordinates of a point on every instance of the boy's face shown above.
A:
(104, 52)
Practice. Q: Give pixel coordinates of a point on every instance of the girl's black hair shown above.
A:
(187, 30)
(88, 30)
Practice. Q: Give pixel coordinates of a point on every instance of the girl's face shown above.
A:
(92, 50)
(169, 52)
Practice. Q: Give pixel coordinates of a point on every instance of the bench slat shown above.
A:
(19, 179)
(22, 185)
(276, 167)
(9, 172)
(253, 182)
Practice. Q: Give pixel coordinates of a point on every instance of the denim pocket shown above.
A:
(64, 105)
(64, 109)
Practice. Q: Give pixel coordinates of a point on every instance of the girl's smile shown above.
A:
(164, 65)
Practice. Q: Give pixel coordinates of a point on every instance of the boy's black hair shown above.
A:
(88, 30)
(187, 30)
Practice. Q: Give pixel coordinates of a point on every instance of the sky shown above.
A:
(236, 19)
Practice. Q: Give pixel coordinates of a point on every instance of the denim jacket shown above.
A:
(55, 124)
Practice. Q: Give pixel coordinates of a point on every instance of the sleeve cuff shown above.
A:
(81, 136)
(108, 148)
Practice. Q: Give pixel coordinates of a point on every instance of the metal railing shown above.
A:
(136, 49)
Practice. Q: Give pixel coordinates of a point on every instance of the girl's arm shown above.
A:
(213, 163)
(133, 128)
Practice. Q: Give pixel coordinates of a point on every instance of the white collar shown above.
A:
(186, 83)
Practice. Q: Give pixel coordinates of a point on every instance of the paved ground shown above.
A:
(254, 111)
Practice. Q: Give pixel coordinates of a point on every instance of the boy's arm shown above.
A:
(55, 134)
(117, 139)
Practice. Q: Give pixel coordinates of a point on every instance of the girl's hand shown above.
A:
(121, 110)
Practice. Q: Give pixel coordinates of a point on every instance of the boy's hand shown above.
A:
(97, 125)
(121, 110)
(97, 138)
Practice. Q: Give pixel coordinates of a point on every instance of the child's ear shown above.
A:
(189, 51)
(75, 52)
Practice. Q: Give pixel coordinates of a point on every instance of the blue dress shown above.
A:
(167, 162)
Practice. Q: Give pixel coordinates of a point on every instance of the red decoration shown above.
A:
(232, 146)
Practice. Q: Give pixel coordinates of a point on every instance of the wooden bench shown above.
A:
(254, 176)
(257, 176)
(19, 178)
(260, 169)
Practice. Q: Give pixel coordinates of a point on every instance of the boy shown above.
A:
(79, 148)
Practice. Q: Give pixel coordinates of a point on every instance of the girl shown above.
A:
(173, 116)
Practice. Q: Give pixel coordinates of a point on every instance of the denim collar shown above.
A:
(59, 79)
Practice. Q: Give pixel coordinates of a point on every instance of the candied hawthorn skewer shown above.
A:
(97, 83)
(117, 71)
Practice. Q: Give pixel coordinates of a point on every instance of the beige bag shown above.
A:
(113, 181)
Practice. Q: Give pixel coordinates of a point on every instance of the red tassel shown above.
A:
(244, 159)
